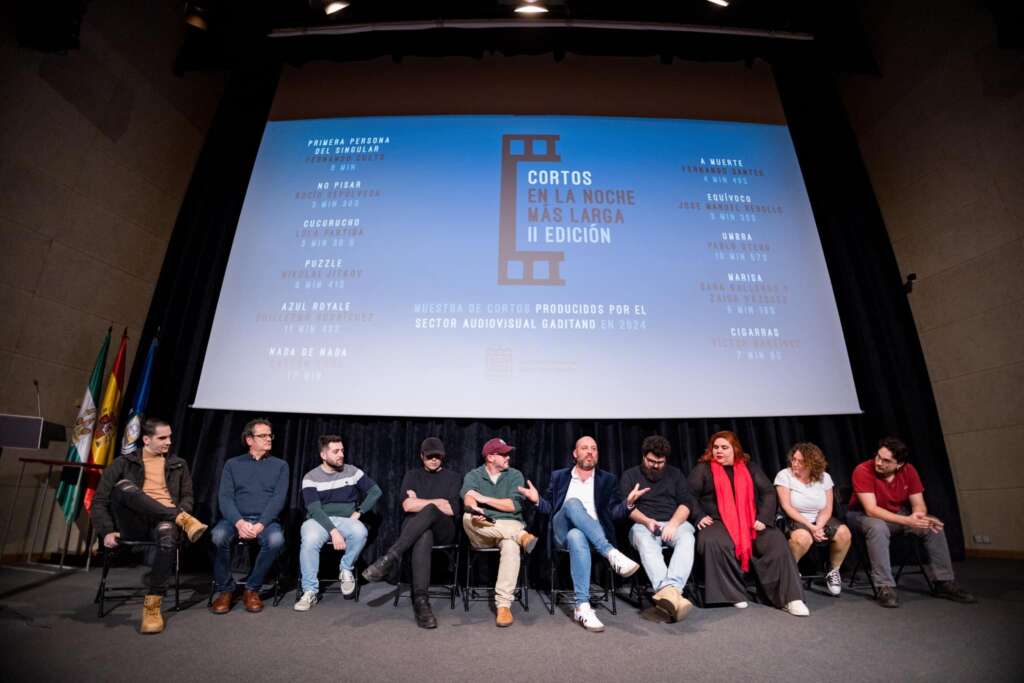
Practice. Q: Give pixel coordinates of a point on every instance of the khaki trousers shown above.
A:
(504, 535)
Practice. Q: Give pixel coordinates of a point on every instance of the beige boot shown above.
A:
(152, 620)
(668, 600)
(683, 608)
(192, 527)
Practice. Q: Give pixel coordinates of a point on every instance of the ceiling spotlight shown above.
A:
(720, 3)
(334, 7)
(531, 8)
(196, 15)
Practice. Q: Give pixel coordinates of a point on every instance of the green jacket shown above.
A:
(478, 480)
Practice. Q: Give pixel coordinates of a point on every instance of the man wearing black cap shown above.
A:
(430, 500)
(494, 517)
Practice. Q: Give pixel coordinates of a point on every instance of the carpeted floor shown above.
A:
(50, 631)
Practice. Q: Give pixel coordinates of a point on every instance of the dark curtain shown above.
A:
(885, 353)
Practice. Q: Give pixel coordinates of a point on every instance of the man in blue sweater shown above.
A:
(253, 489)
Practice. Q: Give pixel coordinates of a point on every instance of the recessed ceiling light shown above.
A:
(531, 9)
(334, 7)
(720, 3)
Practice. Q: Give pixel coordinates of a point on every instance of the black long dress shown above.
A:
(771, 559)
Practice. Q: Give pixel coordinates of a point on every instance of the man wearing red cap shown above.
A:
(494, 517)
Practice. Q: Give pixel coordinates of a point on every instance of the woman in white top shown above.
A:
(805, 495)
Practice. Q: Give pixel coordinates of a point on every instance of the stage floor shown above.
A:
(50, 631)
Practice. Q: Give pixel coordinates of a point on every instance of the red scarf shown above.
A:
(738, 519)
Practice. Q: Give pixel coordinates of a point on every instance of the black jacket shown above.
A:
(130, 467)
(702, 483)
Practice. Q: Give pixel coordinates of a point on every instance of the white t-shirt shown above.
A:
(808, 499)
(584, 490)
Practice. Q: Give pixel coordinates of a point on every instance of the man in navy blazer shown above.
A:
(585, 503)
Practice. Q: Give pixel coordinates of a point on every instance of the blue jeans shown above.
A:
(576, 530)
(649, 546)
(313, 538)
(224, 535)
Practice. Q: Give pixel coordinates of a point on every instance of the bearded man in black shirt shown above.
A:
(431, 501)
(661, 519)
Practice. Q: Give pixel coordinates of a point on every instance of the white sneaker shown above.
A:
(797, 608)
(348, 583)
(622, 565)
(834, 582)
(742, 604)
(307, 600)
(585, 617)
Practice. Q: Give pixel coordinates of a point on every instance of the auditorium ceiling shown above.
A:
(224, 34)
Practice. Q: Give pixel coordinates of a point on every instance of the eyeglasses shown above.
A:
(263, 436)
(433, 456)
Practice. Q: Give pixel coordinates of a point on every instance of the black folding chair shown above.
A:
(604, 596)
(640, 587)
(479, 593)
(324, 584)
(905, 550)
(250, 546)
(450, 590)
(124, 593)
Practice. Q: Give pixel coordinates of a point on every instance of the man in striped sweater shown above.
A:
(336, 496)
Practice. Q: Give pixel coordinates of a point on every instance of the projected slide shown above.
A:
(527, 267)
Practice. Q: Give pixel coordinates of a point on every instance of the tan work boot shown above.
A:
(192, 527)
(668, 601)
(527, 542)
(504, 617)
(152, 620)
(683, 608)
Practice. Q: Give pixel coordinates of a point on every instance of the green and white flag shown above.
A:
(68, 493)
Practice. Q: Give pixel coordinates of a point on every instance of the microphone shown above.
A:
(39, 404)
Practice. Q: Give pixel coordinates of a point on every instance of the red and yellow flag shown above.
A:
(105, 434)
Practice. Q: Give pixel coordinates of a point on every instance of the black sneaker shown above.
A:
(887, 597)
(379, 570)
(424, 615)
(951, 591)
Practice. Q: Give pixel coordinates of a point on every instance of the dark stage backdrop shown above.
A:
(885, 353)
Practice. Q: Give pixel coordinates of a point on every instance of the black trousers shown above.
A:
(771, 560)
(140, 518)
(419, 532)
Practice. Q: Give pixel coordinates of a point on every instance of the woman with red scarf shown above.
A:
(736, 532)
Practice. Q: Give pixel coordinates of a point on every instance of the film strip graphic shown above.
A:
(516, 149)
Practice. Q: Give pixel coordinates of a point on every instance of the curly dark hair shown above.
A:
(813, 458)
(737, 449)
(896, 446)
(658, 445)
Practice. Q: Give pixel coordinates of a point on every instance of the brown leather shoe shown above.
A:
(252, 601)
(222, 603)
(504, 617)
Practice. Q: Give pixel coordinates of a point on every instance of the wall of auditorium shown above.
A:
(98, 153)
(96, 149)
(942, 133)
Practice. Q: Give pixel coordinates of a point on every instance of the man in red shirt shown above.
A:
(888, 498)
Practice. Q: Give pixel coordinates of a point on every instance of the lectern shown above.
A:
(33, 432)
